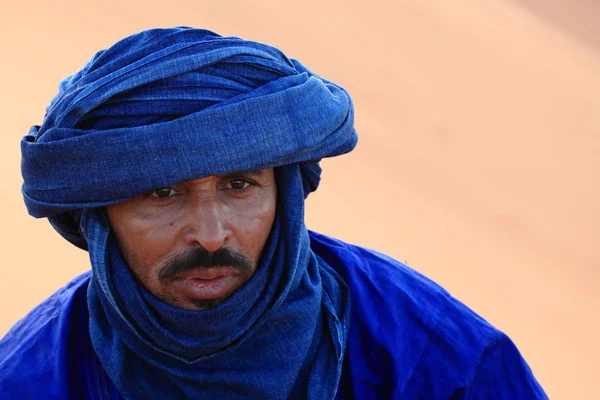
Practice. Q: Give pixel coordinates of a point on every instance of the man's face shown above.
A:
(195, 243)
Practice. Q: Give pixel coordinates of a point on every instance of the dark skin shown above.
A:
(160, 232)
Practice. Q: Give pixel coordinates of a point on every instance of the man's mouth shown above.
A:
(208, 273)
(207, 283)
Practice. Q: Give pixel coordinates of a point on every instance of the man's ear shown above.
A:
(68, 225)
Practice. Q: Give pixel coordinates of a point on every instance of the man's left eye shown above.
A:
(162, 193)
(238, 184)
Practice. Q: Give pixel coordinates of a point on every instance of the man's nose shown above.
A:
(207, 226)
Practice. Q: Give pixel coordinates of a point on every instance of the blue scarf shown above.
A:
(282, 335)
(168, 105)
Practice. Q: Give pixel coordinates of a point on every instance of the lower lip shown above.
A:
(206, 288)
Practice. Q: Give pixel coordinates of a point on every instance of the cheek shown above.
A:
(144, 239)
(252, 224)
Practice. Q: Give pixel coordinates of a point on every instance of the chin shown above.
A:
(206, 304)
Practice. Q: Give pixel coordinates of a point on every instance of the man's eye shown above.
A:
(162, 193)
(239, 184)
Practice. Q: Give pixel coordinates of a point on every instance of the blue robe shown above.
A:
(408, 339)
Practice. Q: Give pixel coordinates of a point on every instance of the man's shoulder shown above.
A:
(38, 347)
(382, 284)
(46, 314)
(379, 281)
(403, 323)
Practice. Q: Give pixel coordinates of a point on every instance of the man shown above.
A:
(181, 161)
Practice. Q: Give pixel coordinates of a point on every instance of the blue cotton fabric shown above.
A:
(408, 339)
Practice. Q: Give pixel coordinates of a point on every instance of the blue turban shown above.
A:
(167, 105)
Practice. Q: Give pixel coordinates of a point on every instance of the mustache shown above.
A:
(201, 258)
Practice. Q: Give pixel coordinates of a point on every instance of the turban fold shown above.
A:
(165, 106)
(168, 105)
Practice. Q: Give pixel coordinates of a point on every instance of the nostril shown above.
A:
(210, 239)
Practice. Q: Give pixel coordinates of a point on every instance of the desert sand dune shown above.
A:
(477, 162)
(578, 18)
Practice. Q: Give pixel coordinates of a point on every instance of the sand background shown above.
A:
(478, 161)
